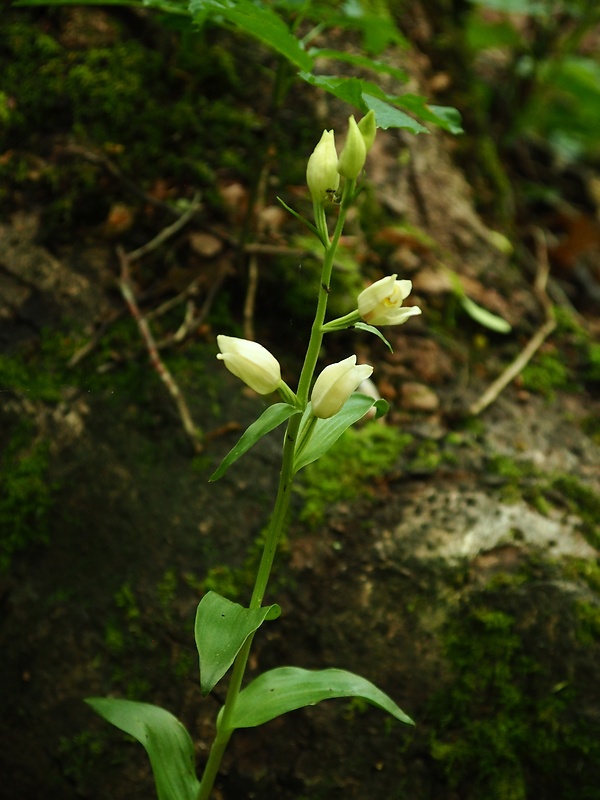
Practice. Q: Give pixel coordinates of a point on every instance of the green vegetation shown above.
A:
(347, 471)
(26, 494)
(503, 726)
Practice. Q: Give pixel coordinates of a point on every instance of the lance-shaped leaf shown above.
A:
(324, 433)
(363, 326)
(221, 629)
(166, 741)
(284, 689)
(256, 20)
(272, 417)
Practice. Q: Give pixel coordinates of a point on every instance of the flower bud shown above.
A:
(335, 385)
(251, 362)
(353, 156)
(368, 127)
(381, 303)
(321, 172)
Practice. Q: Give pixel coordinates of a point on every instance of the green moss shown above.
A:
(344, 472)
(505, 724)
(547, 373)
(588, 617)
(158, 99)
(427, 458)
(27, 496)
(582, 501)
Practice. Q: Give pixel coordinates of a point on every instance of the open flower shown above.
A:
(251, 362)
(335, 385)
(381, 303)
(322, 174)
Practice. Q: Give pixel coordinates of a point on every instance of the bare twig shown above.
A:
(155, 359)
(536, 341)
(253, 272)
(167, 232)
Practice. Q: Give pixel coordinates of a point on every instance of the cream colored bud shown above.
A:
(353, 156)
(381, 303)
(335, 385)
(368, 127)
(251, 362)
(321, 172)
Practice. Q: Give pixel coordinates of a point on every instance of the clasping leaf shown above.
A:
(284, 689)
(221, 629)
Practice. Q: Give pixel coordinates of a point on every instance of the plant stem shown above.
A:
(225, 721)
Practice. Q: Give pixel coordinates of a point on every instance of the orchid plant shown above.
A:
(317, 414)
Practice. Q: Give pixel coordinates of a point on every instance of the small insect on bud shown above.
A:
(322, 174)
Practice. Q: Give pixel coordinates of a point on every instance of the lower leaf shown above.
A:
(165, 739)
(284, 689)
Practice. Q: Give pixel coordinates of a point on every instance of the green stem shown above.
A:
(316, 334)
(225, 726)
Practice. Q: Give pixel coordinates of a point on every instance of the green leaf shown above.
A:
(166, 741)
(388, 116)
(362, 326)
(347, 89)
(272, 417)
(445, 117)
(302, 219)
(258, 21)
(540, 8)
(484, 317)
(221, 629)
(476, 312)
(287, 688)
(359, 61)
(448, 118)
(381, 407)
(326, 432)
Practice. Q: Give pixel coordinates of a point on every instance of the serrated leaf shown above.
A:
(363, 326)
(221, 629)
(388, 116)
(325, 432)
(164, 738)
(530, 7)
(445, 117)
(359, 61)
(347, 89)
(484, 317)
(287, 688)
(258, 21)
(272, 417)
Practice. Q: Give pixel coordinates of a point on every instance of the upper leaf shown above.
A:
(166, 741)
(221, 629)
(324, 433)
(284, 689)
(272, 417)
(256, 20)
